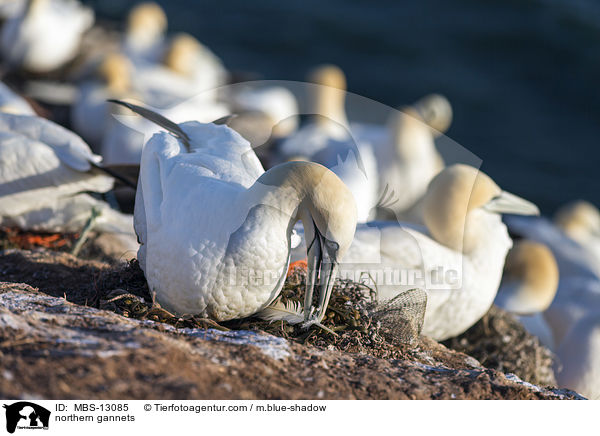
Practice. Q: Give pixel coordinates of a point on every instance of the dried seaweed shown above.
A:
(501, 342)
(361, 325)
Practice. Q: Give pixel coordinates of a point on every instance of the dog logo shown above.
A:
(26, 415)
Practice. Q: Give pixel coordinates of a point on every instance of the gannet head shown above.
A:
(181, 54)
(530, 279)
(580, 220)
(329, 217)
(436, 111)
(36, 7)
(328, 99)
(458, 191)
(147, 21)
(328, 212)
(116, 70)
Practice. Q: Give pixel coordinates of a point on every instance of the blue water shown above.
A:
(522, 75)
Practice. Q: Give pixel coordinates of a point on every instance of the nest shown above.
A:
(501, 342)
(359, 324)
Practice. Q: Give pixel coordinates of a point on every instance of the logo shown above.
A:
(26, 415)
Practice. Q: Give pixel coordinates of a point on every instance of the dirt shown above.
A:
(133, 356)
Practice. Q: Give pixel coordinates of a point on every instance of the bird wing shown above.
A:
(32, 174)
(222, 150)
(68, 147)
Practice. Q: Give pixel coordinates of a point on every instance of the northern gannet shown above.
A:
(45, 35)
(457, 258)
(145, 33)
(91, 114)
(328, 122)
(120, 140)
(277, 103)
(216, 229)
(327, 140)
(580, 220)
(579, 285)
(45, 171)
(407, 158)
(436, 111)
(125, 135)
(578, 363)
(529, 284)
(187, 69)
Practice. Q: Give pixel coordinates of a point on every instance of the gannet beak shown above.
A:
(322, 265)
(510, 203)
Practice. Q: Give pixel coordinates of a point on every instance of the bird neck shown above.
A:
(328, 109)
(412, 138)
(118, 86)
(35, 7)
(473, 233)
(281, 188)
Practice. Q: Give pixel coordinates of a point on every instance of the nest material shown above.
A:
(360, 324)
(13, 237)
(501, 342)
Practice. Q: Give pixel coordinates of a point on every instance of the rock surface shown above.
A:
(52, 348)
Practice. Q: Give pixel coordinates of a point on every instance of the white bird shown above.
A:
(126, 135)
(45, 171)
(120, 140)
(395, 162)
(580, 221)
(13, 103)
(91, 114)
(529, 284)
(407, 158)
(329, 123)
(276, 102)
(187, 69)
(216, 229)
(436, 111)
(45, 35)
(579, 285)
(457, 259)
(327, 140)
(145, 33)
(578, 365)
(528, 288)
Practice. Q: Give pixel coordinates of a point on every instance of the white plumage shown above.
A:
(573, 314)
(13, 103)
(44, 172)
(277, 102)
(457, 260)
(216, 229)
(45, 35)
(328, 140)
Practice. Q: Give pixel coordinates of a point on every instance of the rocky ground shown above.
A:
(74, 328)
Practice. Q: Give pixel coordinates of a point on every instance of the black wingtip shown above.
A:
(224, 120)
(157, 119)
